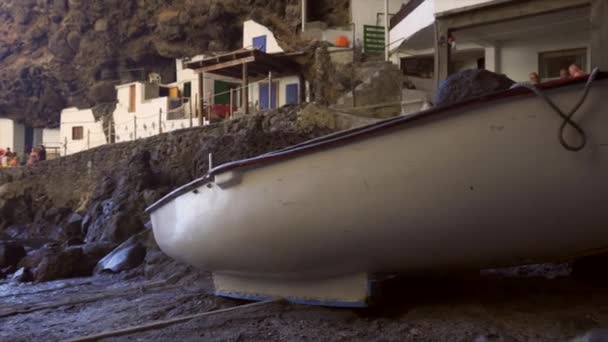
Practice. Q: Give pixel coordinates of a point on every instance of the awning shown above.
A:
(259, 64)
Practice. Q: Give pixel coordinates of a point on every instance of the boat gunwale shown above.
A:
(333, 139)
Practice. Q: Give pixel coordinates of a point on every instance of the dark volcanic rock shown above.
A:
(125, 257)
(74, 225)
(10, 254)
(22, 275)
(469, 84)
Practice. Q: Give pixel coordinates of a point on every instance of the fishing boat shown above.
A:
(504, 179)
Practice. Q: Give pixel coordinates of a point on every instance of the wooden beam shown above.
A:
(245, 89)
(273, 63)
(227, 64)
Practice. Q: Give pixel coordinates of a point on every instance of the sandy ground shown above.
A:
(496, 306)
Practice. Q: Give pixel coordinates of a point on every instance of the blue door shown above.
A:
(292, 94)
(264, 95)
(259, 43)
(29, 137)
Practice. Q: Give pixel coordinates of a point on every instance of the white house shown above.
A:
(145, 109)
(18, 136)
(285, 89)
(12, 135)
(508, 37)
(80, 131)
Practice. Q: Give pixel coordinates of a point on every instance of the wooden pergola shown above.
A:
(246, 65)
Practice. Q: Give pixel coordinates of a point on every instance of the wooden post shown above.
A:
(231, 103)
(200, 98)
(199, 110)
(191, 109)
(270, 90)
(209, 108)
(134, 127)
(160, 121)
(245, 89)
(302, 88)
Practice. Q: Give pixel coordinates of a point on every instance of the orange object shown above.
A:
(342, 41)
(174, 92)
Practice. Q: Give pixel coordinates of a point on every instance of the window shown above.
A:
(188, 89)
(77, 133)
(132, 93)
(380, 18)
(550, 63)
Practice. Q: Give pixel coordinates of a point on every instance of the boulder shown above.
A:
(73, 227)
(22, 275)
(128, 255)
(470, 84)
(93, 252)
(66, 263)
(10, 254)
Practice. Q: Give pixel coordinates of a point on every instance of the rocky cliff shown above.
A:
(58, 53)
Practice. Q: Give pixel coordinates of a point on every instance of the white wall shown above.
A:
(51, 137)
(12, 135)
(421, 17)
(448, 5)
(365, 12)
(518, 59)
(252, 29)
(7, 134)
(254, 90)
(144, 121)
(92, 130)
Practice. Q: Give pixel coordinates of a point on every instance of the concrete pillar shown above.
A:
(387, 33)
(599, 34)
(492, 56)
(304, 14)
(442, 52)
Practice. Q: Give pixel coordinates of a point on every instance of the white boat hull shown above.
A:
(478, 186)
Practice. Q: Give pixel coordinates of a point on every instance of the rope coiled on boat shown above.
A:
(566, 116)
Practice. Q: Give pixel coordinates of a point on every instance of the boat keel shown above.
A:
(346, 291)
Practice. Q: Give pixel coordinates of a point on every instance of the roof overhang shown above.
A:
(259, 64)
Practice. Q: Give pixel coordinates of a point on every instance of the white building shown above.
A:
(17, 136)
(145, 109)
(285, 89)
(12, 135)
(507, 37)
(80, 131)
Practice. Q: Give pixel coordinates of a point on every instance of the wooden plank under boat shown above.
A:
(484, 183)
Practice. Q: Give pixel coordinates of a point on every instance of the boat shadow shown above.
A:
(398, 294)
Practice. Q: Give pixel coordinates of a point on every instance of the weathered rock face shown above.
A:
(10, 254)
(62, 53)
(469, 84)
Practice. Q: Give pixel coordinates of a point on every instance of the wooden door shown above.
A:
(132, 92)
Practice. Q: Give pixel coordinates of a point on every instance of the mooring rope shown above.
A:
(566, 116)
